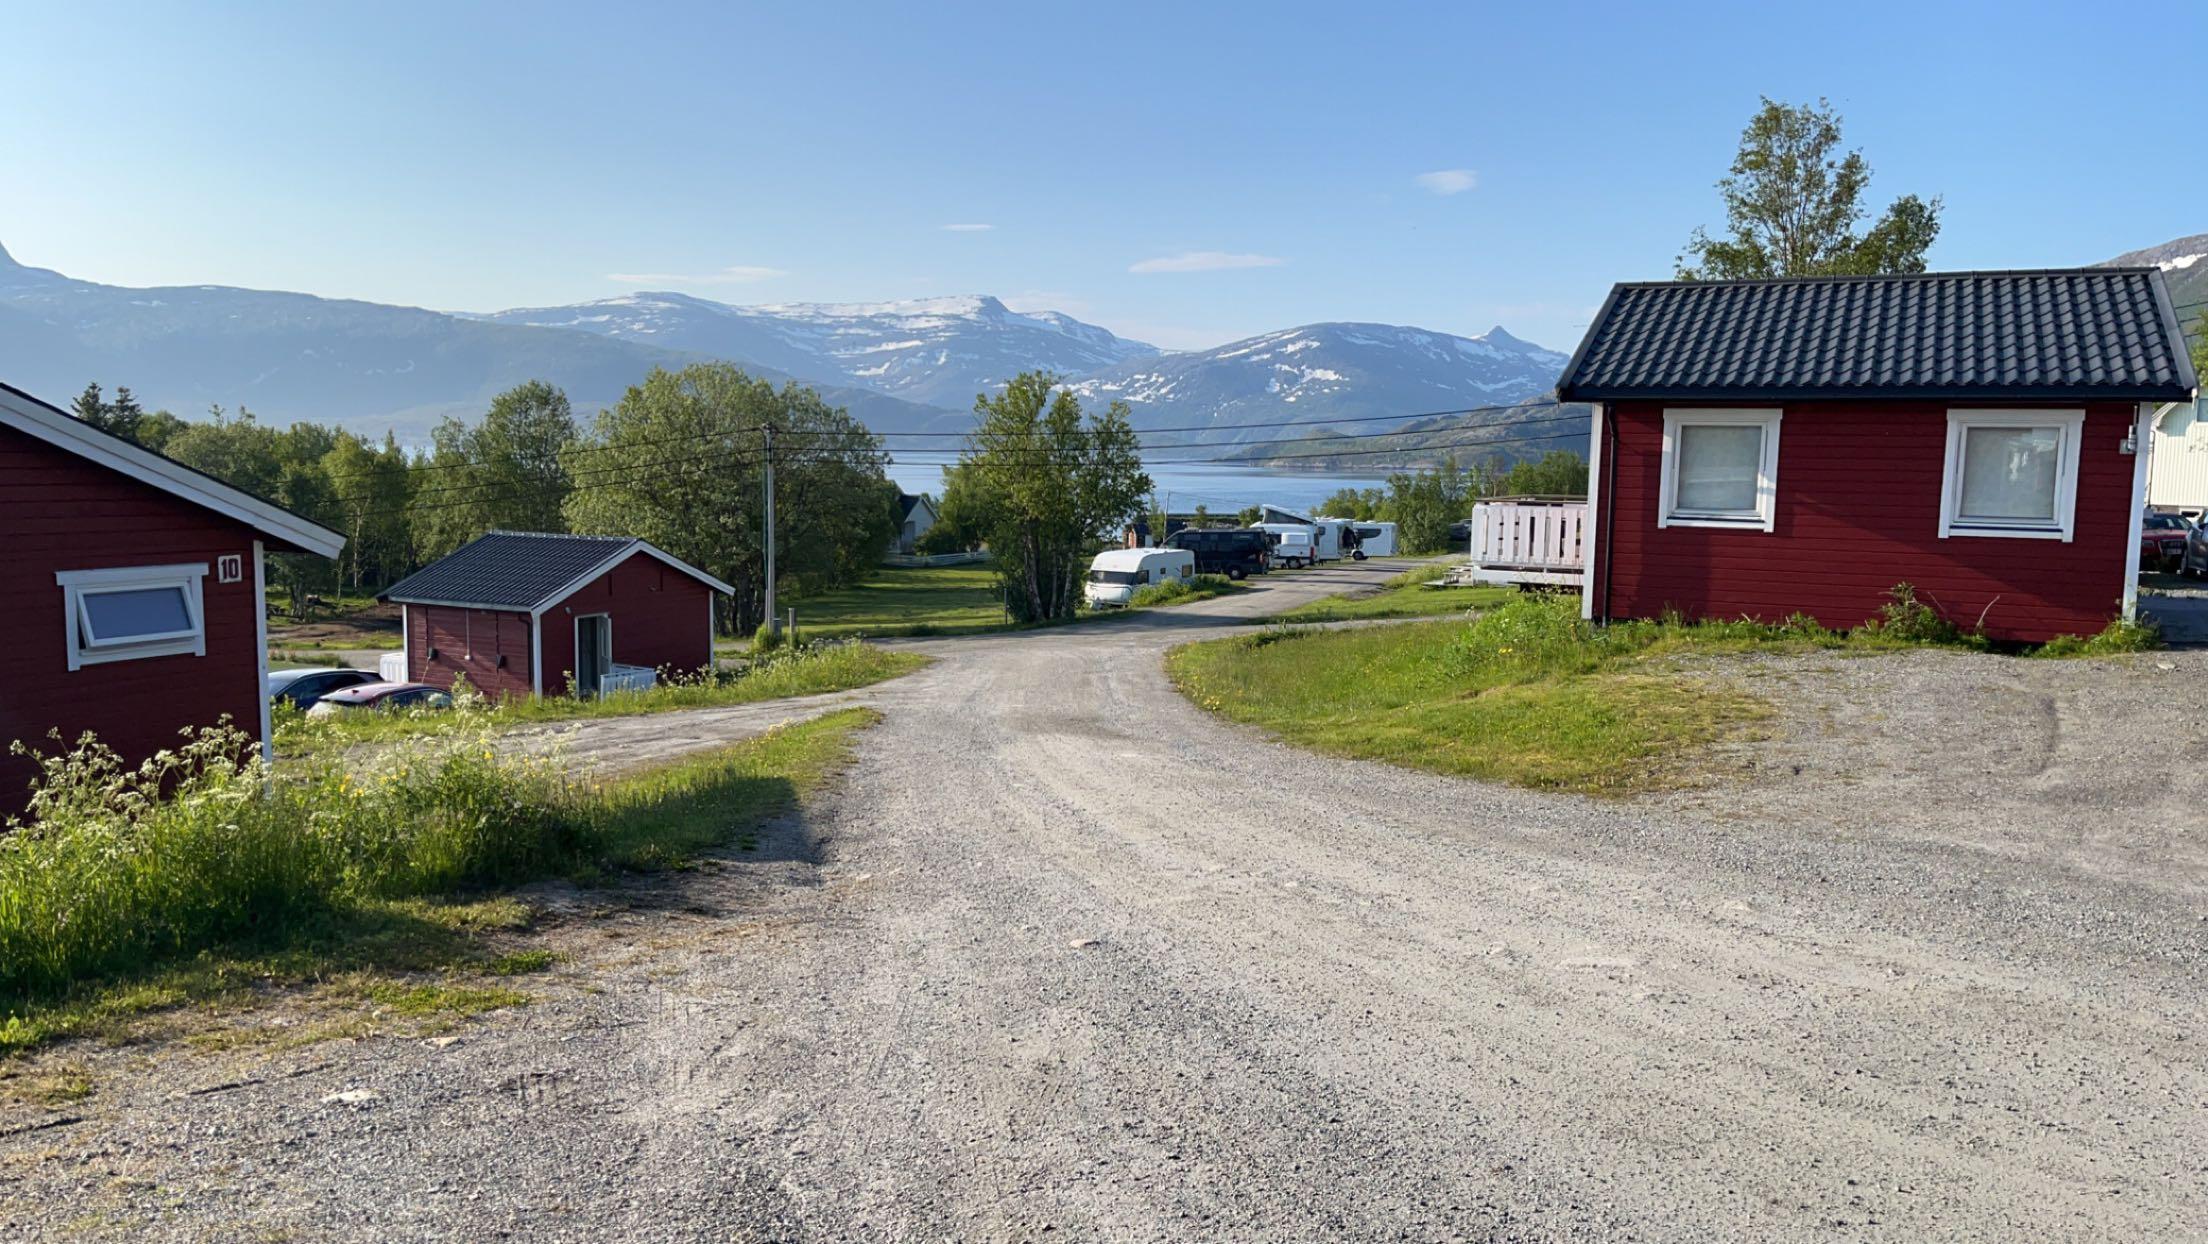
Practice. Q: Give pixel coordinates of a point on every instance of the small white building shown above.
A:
(2177, 473)
(915, 515)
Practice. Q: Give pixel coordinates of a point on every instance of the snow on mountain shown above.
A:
(291, 356)
(941, 351)
(2184, 264)
(1327, 371)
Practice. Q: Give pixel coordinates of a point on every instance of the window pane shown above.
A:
(1717, 468)
(2009, 474)
(135, 612)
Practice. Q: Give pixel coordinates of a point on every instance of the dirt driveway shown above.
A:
(1066, 958)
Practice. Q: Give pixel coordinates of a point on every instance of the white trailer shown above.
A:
(1375, 540)
(1117, 574)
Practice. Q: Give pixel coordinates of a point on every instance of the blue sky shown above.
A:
(1181, 173)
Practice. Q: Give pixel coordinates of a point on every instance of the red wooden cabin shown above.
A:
(1766, 448)
(137, 586)
(526, 613)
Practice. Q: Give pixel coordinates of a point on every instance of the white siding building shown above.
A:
(2177, 474)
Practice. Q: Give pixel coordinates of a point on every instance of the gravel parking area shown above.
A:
(1065, 957)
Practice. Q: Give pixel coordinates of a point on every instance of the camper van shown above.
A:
(1292, 545)
(1116, 573)
(1374, 540)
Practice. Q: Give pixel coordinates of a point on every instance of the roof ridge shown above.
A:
(1864, 278)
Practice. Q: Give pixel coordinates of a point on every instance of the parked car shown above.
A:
(1235, 552)
(305, 688)
(2162, 539)
(1116, 573)
(381, 697)
(2194, 560)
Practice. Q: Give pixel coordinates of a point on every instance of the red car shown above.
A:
(388, 696)
(2162, 541)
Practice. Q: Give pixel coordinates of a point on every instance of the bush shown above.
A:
(1195, 587)
(767, 638)
(1905, 618)
(2119, 636)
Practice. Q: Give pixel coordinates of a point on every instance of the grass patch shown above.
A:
(1404, 596)
(1182, 591)
(813, 670)
(196, 881)
(906, 600)
(2117, 638)
(522, 963)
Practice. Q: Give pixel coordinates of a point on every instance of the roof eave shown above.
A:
(1620, 393)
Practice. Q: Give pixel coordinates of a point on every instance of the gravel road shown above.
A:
(1064, 957)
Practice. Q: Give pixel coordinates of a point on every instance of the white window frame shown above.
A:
(2070, 423)
(1765, 518)
(84, 649)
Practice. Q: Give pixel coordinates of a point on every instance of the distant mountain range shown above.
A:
(937, 351)
(897, 366)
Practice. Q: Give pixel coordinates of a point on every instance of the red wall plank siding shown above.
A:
(490, 646)
(60, 512)
(659, 620)
(1858, 510)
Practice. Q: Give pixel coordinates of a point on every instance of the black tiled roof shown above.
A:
(509, 569)
(2065, 334)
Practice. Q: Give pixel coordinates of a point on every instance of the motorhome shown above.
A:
(1235, 552)
(1117, 574)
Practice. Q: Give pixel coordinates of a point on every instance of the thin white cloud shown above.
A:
(1205, 261)
(967, 228)
(1448, 180)
(740, 274)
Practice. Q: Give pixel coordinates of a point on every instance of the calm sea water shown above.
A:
(1222, 489)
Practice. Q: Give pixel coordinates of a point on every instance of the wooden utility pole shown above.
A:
(774, 624)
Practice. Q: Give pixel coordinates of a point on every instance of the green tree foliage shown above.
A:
(1058, 482)
(1793, 202)
(373, 487)
(505, 472)
(1248, 516)
(1557, 473)
(118, 417)
(1364, 505)
(284, 466)
(681, 462)
(962, 516)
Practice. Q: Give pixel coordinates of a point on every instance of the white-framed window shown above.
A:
(1721, 469)
(2011, 473)
(128, 612)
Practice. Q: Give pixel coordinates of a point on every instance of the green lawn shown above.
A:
(376, 899)
(808, 671)
(1404, 596)
(902, 600)
(1526, 694)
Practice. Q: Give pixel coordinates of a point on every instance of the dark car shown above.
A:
(2162, 539)
(382, 697)
(305, 688)
(1235, 552)
(2194, 560)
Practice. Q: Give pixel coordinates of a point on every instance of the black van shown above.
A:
(1231, 551)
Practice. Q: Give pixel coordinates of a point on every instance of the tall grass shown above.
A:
(119, 868)
(813, 670)
(1182, 591)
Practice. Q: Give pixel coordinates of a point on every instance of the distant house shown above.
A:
(2177, 473)
(1766, 448)
(524, 613)
(137, 584)
(915, 514)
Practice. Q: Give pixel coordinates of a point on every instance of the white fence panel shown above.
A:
(1529, 541)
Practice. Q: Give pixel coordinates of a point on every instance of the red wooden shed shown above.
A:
(1766, 448)
(521, 613)
(137, 584)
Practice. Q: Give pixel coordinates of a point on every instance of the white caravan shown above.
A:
(1374, 540)
(1116, 573)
